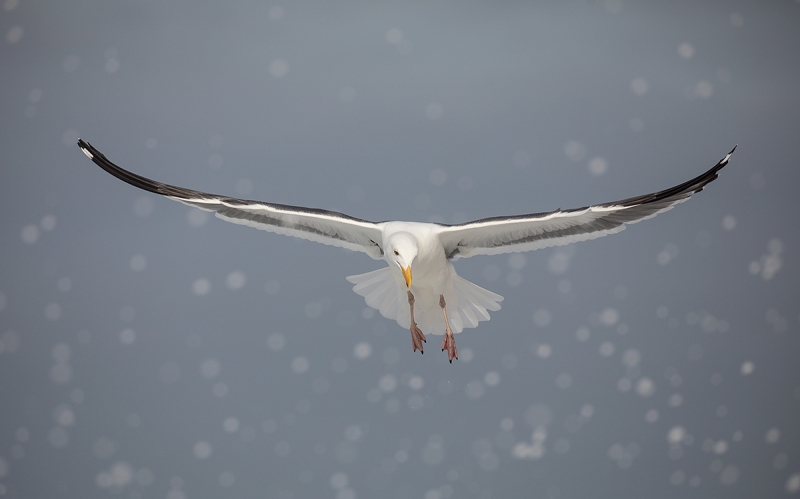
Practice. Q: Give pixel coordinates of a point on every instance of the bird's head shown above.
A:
(402, 250)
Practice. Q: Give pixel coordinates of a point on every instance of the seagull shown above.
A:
(419, 255)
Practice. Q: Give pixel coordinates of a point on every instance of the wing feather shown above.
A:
(491, 236)
(327, 227)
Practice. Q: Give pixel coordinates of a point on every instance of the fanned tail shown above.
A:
(381, 292)
(468, 305)
(474, 302)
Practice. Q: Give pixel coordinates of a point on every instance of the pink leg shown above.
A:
(449, 342)
(417, 336)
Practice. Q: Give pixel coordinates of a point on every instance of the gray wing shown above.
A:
(491, 236)
(322, 226)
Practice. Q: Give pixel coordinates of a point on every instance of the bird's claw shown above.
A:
(449, 344)
(417, 338)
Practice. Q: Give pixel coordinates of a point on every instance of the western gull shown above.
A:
(420, 255)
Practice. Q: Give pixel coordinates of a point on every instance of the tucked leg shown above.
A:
(417, 336)
(449, 342)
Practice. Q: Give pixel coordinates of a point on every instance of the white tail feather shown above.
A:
(467, 305)
(383, 293)
(474, 302)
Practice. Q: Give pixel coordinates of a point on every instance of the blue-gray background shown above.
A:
(147, 351)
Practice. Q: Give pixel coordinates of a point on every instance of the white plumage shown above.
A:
(420, 280)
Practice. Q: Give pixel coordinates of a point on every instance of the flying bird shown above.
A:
(420, 288)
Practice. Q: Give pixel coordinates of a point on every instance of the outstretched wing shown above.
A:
(491, 236)
(322, 226)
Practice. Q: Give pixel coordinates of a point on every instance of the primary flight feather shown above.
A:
(419, 255)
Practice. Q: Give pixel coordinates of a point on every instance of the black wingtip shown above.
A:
(96, 156)
(100, 160)
(86, 148)
(724, 161)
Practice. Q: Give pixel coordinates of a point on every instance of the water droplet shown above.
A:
(394, 36)
(210, 368)
(574, 150)
(14, 34)
(686, 50)
(127, 336)
(230, 425)
(362, 350)
(235, 280)
(201, 450)
(639, 86)
(30, 234)
(278, 68)
(300, 365)
(138, 263)
(597, 166)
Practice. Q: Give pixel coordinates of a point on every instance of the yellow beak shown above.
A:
(407, 275)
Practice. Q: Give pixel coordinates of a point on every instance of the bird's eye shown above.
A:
(396, 252)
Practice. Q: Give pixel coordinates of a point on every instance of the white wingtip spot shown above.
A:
(87, 153)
